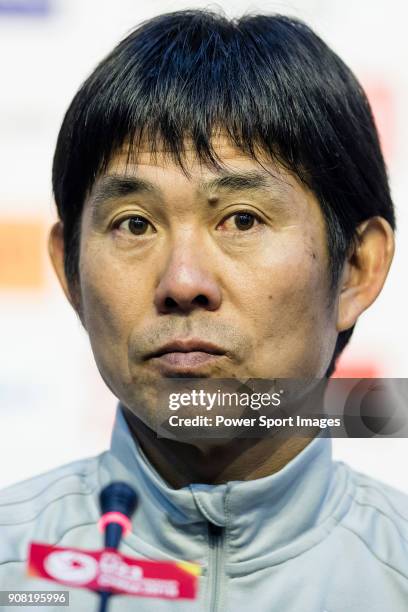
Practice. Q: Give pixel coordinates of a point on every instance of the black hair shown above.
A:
(268, 81)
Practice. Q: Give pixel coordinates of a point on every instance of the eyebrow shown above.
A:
(232, 181)
(116, 186)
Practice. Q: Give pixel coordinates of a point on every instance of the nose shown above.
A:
(186, 283)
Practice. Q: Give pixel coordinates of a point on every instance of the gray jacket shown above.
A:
(314, 537)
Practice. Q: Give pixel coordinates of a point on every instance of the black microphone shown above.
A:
(118, 501)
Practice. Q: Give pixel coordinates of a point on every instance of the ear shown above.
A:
(56, 253)
(365, 270)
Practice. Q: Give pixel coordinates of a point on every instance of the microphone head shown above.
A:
(118, 497)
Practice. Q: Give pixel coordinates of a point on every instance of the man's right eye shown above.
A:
(136, 225)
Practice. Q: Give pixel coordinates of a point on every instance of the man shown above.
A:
(224, 214)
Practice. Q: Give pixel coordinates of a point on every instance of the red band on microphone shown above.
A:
(115, 517)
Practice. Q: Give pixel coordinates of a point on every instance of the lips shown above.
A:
(187, 355)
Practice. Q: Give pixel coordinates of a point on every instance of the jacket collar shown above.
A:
(279, 514)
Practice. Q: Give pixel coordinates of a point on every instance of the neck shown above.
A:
(181, 464)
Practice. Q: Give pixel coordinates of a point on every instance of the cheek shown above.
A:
(286, 296)
(288, 276)
(293, 301)
(112, 301)
(112, 293)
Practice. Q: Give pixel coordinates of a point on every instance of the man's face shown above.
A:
(219, 274)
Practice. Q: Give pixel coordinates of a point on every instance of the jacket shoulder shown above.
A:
(387, 500)
(378, 518)
(47, 505)
(31, 491)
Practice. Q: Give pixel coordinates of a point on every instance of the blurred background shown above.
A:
(54, 406)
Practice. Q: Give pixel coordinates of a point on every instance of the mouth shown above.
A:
(185, 356)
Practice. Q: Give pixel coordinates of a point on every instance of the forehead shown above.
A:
(143, 149)
(237, 170)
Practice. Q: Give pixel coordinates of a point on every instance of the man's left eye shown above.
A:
(240, 220)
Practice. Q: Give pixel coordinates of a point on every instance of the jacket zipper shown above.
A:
(216, 541)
